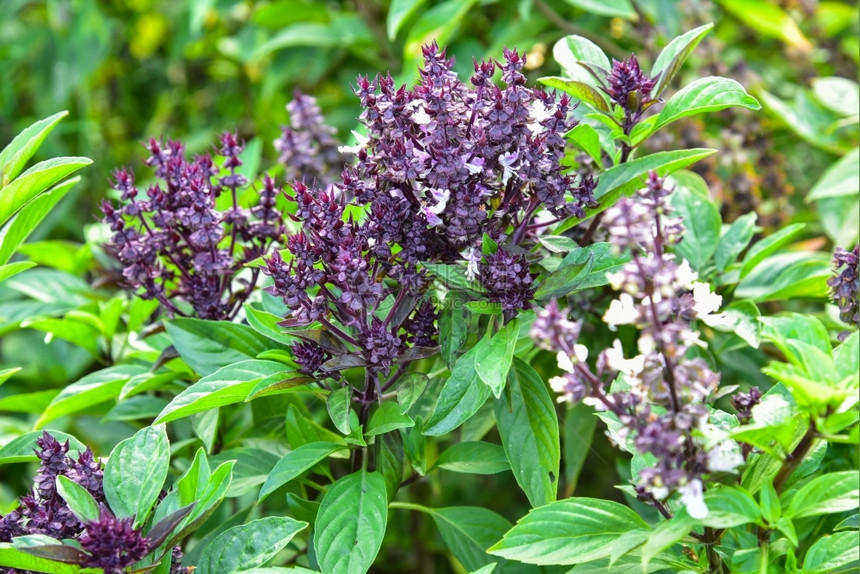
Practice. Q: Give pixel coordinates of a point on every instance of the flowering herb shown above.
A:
(307, 147)
(176, 246)
(845, 286)
(108, 543)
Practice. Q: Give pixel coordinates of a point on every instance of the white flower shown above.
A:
(693, 498)
(706, 305)
(472, 258)
(616, 280)
(685, 276)
(538, 113)
(565, 361)
(476, 166)
(361, 141)
(616, 361)
(420, 116)
(440, 196)
(507, 160)
(725, 457)
(621, 311)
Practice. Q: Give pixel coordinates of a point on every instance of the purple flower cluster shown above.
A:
(845, 285)
(630, 88)
(507, 279)
(307, 148)
(176, 246)
(110, 543)
(443, 165)
(659, 396)
(43, 510)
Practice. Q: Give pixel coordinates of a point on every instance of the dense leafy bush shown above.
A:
(291, 369)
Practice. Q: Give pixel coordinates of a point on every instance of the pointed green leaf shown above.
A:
(80, 501)
(351, 523)
(14, 156)
(670, 60)
(460, 398)
(528, 426)
(248, 546)
(297, 462)
(135, 473)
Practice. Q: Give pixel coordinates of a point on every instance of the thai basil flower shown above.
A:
(629, 87)
(112, 544)
(173, 243)
(845, 286)
(43, 510)
(660, 396)
(307, 148)
(507, 279)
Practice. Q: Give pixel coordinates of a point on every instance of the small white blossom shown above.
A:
(420, 116)
(725, 457)
(621, 311)
(476, 165)
(693, 498)
(472, 258)
(361, 141)
(507, 160)
(538, 113)
(616, 361)
(685, 276)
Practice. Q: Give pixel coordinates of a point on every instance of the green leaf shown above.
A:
(673, 56)
(761, 250)
(701, 225)
(266, 324)
(248, 546)
(571, 50)
(771, 509)
(493, 356)
(769, 20)
(25, 221)
(826, 494)
(388, 458)
(34, 181)
(735, 240)
(832, 553)
(612, 8)
(666, 535)
(135, 473)
(94, 388)
(579, 90)
(5, 374)
(80, 501)
(564, 280)
(605, 261)
(587, 139)
(410, 387)
(578, 432)
(528, 426)
(11, 269)
(338, 403)
(710, 94)
(351, 523)
(468, 531)
(438, 23)
(453, 326)
(624, 179)
(296, 463)
(226, 386)
(207, 346)
(840, 95)
(14, 156)
(386, 418)
(460, 398)
(730, 506)
(398, 13)
(15, 558)
(791, 275)
(569, 531)
(839, 179)
(474, 457)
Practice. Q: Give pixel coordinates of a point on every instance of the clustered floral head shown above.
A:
(174, 243)
(442, 166)
(845, 286)
(109, 543)
(657, 398)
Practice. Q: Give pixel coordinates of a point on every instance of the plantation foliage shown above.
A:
(547, 286)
